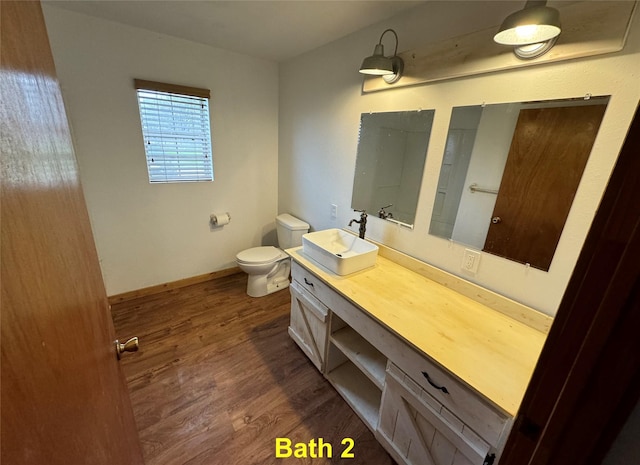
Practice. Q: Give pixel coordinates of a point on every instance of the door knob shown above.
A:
(130, 346)
(496, 220)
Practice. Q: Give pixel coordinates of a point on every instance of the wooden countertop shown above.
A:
(487, 350)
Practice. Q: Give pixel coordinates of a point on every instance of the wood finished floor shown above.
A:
(217, 379)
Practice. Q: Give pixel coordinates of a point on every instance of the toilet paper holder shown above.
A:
(219, 219)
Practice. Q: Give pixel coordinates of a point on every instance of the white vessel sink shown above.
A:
(338, 251)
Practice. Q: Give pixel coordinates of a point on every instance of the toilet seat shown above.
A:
(260, 255)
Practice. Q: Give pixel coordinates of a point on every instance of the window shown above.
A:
(176, 131)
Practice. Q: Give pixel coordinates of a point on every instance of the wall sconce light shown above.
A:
(532, 31)
(390, 68)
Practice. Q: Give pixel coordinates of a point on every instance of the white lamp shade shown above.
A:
(529, 26)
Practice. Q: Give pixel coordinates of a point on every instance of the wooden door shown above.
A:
(64, 398)
(548, 153)
(587, 380)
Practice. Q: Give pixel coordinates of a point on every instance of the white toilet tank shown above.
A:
(290, 230)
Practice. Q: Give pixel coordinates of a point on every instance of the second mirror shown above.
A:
(509, 175)
(392, 150)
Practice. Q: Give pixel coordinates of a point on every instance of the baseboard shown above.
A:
(151, 290)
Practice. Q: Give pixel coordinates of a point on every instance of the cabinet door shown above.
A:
(308, 326)
(470, 407)
(418, 434)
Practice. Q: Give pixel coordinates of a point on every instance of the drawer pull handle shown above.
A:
(308, 282)
(440, 388)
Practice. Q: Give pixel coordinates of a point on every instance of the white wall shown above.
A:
(151, 234)
(320, 107)
(488, 159)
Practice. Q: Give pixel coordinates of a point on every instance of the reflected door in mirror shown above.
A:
(548, 154)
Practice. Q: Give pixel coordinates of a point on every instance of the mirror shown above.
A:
(509, 175)
(392, 149)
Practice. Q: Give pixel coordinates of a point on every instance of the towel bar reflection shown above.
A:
(474, 188)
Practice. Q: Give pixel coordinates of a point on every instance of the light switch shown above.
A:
(334, 211)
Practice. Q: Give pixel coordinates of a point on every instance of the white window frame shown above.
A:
(176, 130)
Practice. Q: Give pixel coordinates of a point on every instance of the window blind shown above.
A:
(177, 136)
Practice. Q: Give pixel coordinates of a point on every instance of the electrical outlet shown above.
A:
(470, 261)
(334, 211)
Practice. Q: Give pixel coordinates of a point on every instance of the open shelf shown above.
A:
(363, 355)
(359, 392)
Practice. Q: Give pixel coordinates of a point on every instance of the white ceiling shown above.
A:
(273, 30)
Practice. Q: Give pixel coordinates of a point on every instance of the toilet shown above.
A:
(268, 267)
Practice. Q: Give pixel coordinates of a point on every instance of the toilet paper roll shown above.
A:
(220, 219)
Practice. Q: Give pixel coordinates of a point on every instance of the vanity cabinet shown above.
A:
(419, 411)
(353, 366)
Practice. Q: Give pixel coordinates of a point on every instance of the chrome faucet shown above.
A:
(362, 222)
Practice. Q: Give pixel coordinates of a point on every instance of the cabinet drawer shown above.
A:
(312, 284)
(417, 370)
(317, 308)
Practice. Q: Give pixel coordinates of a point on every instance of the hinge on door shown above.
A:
(489, 459)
